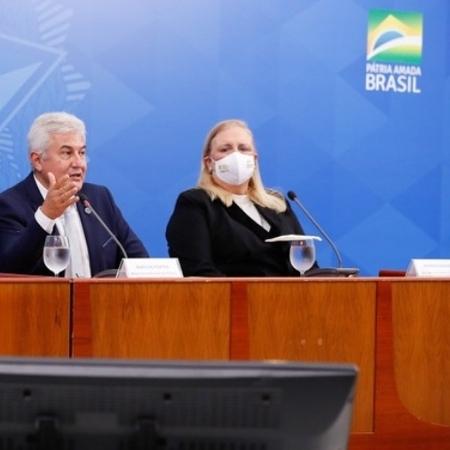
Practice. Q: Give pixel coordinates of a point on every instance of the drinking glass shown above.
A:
(56, 253)
(302, 255)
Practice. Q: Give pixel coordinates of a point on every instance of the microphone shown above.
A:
(339, 271)
(89, 209)
(293, 197)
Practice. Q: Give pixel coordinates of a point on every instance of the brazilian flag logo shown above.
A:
(394, 37)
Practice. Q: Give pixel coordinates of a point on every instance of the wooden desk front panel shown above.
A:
(34, 317)
(167, 320)
(406, 355)
(421, 326)
(318, 321)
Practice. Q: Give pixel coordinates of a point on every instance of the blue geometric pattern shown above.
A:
(24, 67)
(150, 79)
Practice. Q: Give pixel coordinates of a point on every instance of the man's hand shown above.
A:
(61, 194)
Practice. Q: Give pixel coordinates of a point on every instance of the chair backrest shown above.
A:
(391, 273)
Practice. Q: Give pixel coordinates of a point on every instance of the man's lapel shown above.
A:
(33, 194)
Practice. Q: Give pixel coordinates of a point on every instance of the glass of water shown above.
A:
(302, 255)
(56, 253)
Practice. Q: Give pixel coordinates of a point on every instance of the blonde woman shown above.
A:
(219, 228)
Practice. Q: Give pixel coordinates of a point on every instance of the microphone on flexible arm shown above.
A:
(339, 271)
(89, 209)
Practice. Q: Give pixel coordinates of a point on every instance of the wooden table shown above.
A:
(34, 316)
(396, 330)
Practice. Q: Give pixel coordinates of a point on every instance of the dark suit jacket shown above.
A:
(211, 239)
(22, 238)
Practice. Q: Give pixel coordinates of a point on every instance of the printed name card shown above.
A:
(150, 268)
(429, 268)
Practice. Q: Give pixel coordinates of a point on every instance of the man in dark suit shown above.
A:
(47, 202)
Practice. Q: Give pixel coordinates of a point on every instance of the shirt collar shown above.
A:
(42, 189)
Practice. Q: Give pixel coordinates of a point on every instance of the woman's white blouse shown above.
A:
(250, 209)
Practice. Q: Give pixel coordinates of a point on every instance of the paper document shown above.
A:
(292, 237)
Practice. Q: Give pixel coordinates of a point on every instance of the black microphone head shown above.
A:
(85, 202)
(84, 199)
(292, 195)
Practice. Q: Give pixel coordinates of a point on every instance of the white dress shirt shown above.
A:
(68, 224)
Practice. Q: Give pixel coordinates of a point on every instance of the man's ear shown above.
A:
(35, 159)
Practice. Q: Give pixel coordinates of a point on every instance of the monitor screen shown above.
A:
(64, 404)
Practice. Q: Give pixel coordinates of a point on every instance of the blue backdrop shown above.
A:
(150, 77)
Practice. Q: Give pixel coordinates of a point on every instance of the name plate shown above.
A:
(149, 268)
(429, 268)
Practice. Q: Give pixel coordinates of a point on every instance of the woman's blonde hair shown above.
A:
(256, 191)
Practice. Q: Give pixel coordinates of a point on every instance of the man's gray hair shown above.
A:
(51, 123)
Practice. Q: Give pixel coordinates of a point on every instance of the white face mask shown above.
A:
(235, 169)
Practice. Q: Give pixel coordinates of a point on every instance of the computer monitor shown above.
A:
(53, 404)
